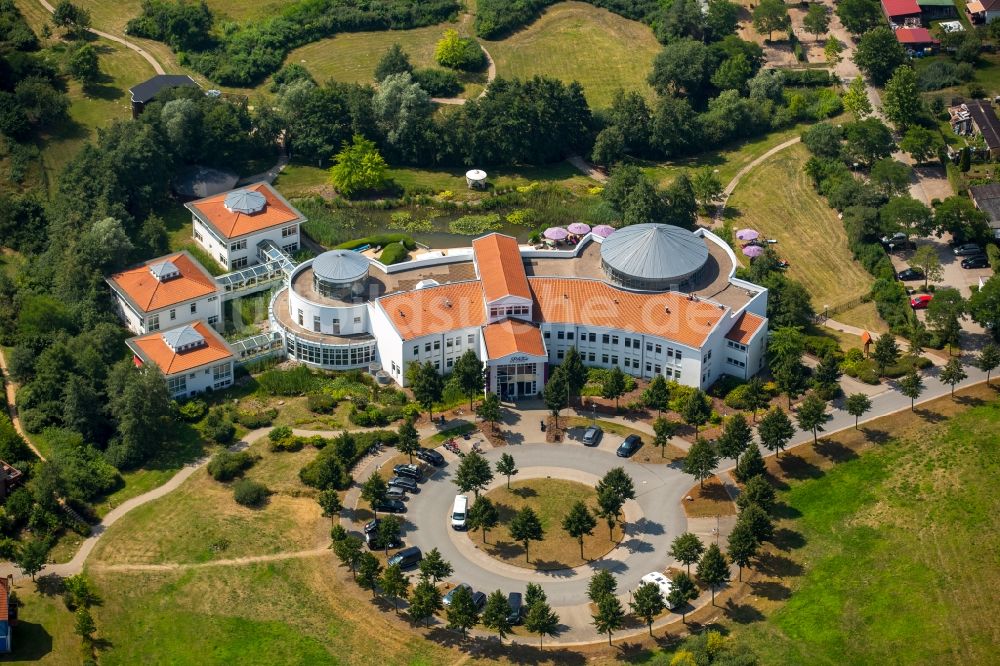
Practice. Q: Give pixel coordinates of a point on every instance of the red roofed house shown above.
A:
(193, 358)
(983, 11)
(897, 11)
(165, 292)
(230, 225)
(8, 613)
(916, 38)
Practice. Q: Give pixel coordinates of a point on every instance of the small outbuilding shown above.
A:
(475, 179)
(143, 93)
(916, 39)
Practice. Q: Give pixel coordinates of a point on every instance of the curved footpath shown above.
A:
(491, 73)
(157, 67)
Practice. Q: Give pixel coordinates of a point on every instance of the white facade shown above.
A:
(240, 252)
(215, 377)
(208, 308)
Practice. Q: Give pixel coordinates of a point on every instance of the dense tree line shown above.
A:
(243, 54)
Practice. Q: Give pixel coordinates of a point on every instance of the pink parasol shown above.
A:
(747, 234)
(603, 230)
(578, 228)
(555, 233)
(753, 251)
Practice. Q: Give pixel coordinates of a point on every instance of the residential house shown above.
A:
(899, 12)
(8, 613)
(977, 117)
(164, 293)
(935, 10)
(916, 39)
(987, 199)
(193, 358)
(143, 93)
(231, 225)
(983, 11)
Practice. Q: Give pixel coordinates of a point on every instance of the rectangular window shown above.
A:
(194, 308)
(357, 320)
(222, 371)
(614, 360)
(472, 338)
(316, 323)
(213, 320)
(593, 357)
(450, 362)
(569, 335)
(416, 350)
(561, 335)
(659, 349)
(154, 323)
(291, 248)
(604, 359)
(197, 235)
(437, 365)
(614, 339)
(628, 343)
(678, 354)
(437, 345)
(238, 245)
(657, 369)
(242, 262)
(649, 367)
(605, 339)
(547, 335)
(289, 231)
(173, 315)
(177, 385)
(427, 348)
(560, 354)
(628, 362)
(449, 343)
(593, 337)
(649, 346)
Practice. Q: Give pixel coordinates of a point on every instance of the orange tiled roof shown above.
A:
(511, 336)
(4, 600)
(435, 309)
(213, 211)
(501, 269)
(743, 330)
(151, 348)
(149, 294)
(596, 303)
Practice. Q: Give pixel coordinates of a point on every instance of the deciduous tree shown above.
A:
(602, 584)
(374, 490)
(469, 372)
(409, 439)
(393, 61)
(394, 584)
(613, 385)
(682, 590)
(462, 613)
(857, 406)
(489, 410)
(556, 393)
(369, 571)
(757, 491)
(736, 436)
(427, 385)
(901, 100)
(358, 167)
(579, 522)
(775, 430)
(713, 570)
(771, 15)
(483, 516)
(425, 601)
(657, 394)
(742, 546)
(886, 352)
(988, 359)
(663, 430)
(647, 602)
(953, 374)
(811, 414)
(701, 460)
(610, 616)
(944, 314)
(434, 566)
(879, 54)
(817, 19)
(542, 620)
(697, 409)
(473, 473)
(750, 464)
(526, 527)
(984, 307)
(687, 548)
(507, 466)
(496, 614)
(911, 385)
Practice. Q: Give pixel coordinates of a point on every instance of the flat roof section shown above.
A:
(284, 317)
(501, 269)
(511, 336)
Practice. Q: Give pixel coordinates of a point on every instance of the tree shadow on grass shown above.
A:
(771, 590)
(31, 641)
(525, 492)
(785, 511)
(772, 564)
(930, 416)
(786, 539)
(741, 613)
(834, 451)
(715, 492)
(49, 585)
(969, 400)
(796, 467)
(875, 435)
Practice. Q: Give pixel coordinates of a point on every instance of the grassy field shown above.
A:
(44, 633)
(573, 41)
(551, 499)
(778, 200)
(200, 521)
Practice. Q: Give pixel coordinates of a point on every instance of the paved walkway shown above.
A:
(157, 67)
(588, 169)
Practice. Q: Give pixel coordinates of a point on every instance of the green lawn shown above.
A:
(900, 552)
(778, 199)
(44, 633)
(573, 41)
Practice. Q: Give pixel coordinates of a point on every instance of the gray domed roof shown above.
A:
(340, 266)
(247, 202)
(654, 252)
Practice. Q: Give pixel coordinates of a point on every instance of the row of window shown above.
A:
(611, 339)
(340, 356)
(449, 343)
(500, 311)
(317, 322)
(736, 345)
(292, 230)
(738, 364)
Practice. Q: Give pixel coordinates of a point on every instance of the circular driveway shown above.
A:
(654, 519)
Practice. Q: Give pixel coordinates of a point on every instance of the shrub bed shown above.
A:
(250, 493)
(226, 465)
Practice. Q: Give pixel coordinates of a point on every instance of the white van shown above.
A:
(458, 512)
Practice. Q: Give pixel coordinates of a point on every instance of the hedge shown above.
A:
(394, 253)
(380, 240)
(329, 470)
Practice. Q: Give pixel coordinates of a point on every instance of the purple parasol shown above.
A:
(603, 230)
(753, 251)
(747, 234)
(555, 233)
(578, 228)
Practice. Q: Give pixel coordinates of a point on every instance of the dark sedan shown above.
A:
(405, 483)
(977, 261)
(629, 446)
(391, 506)
(908, 274)
(430, 456)
(968, 250)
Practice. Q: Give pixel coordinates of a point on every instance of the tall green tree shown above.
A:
(556, 393)
(657, 394)
(687, 548)
(859, 16)
(858, 404)
(525, 528)
(743, 546)
(925, 258)
(911, 385)
(507, 466)
(707, 187)
(613, 385)
(348, 551)
(393, 61)
(760, 524)
(886, 352)
(750, 464)
(921, 143)
(811, 414)
(757, 491)
(984, 307)
(817, 19)
(434, 566)
(663, 430)
(945, 313)
(953, 374)
(462, 613)
(369, 572)
(775, 430)
(682, 590)
(32, 556)
(358, 167)
(425, 601)
(427, 385)
(697, 409)
(469, 372)
(618, 484)
(389, 529)
(856, 99)
(394, 584)
(496, 614)
(579, 522)
(140, 408)
(713, 570)
(409, 439)
(609, 507)
(483, 515)
(489, 410)
(473, 473)
(374, 491)
(542, 620)
(901, 99)
(647, 603)
(988, 359)
(736, 436)
(879, 54)
(610, 616)
(756, 397)
(574, 372)
(83, 624)
(701, 460)
(84, 65)
(771, 15)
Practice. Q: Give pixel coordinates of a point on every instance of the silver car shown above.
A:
(592, 436)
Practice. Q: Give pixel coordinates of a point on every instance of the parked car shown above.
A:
(371, 539)
(967, 250)
(897, 240)
(516, 603)
(405, 483)
(976, 261)
(371, 526)
(391, 506)
(431, 456)
(629, 446)
(451, 593)
(592, 435)
(920, 301)
(409, 471)
(908, 274)
(395, 493)
(406, 558)
(479, 599)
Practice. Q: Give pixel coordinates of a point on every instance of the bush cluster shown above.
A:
(299, 380)
(394, 253)
(332, 467)
(380, 240)
(438, 82)
(226, 465)
(249, 493)
(257, 419)
(498, 18)
(321, 403)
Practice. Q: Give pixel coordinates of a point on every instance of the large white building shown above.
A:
(232, 225)
(651, 299)
(193, 358)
